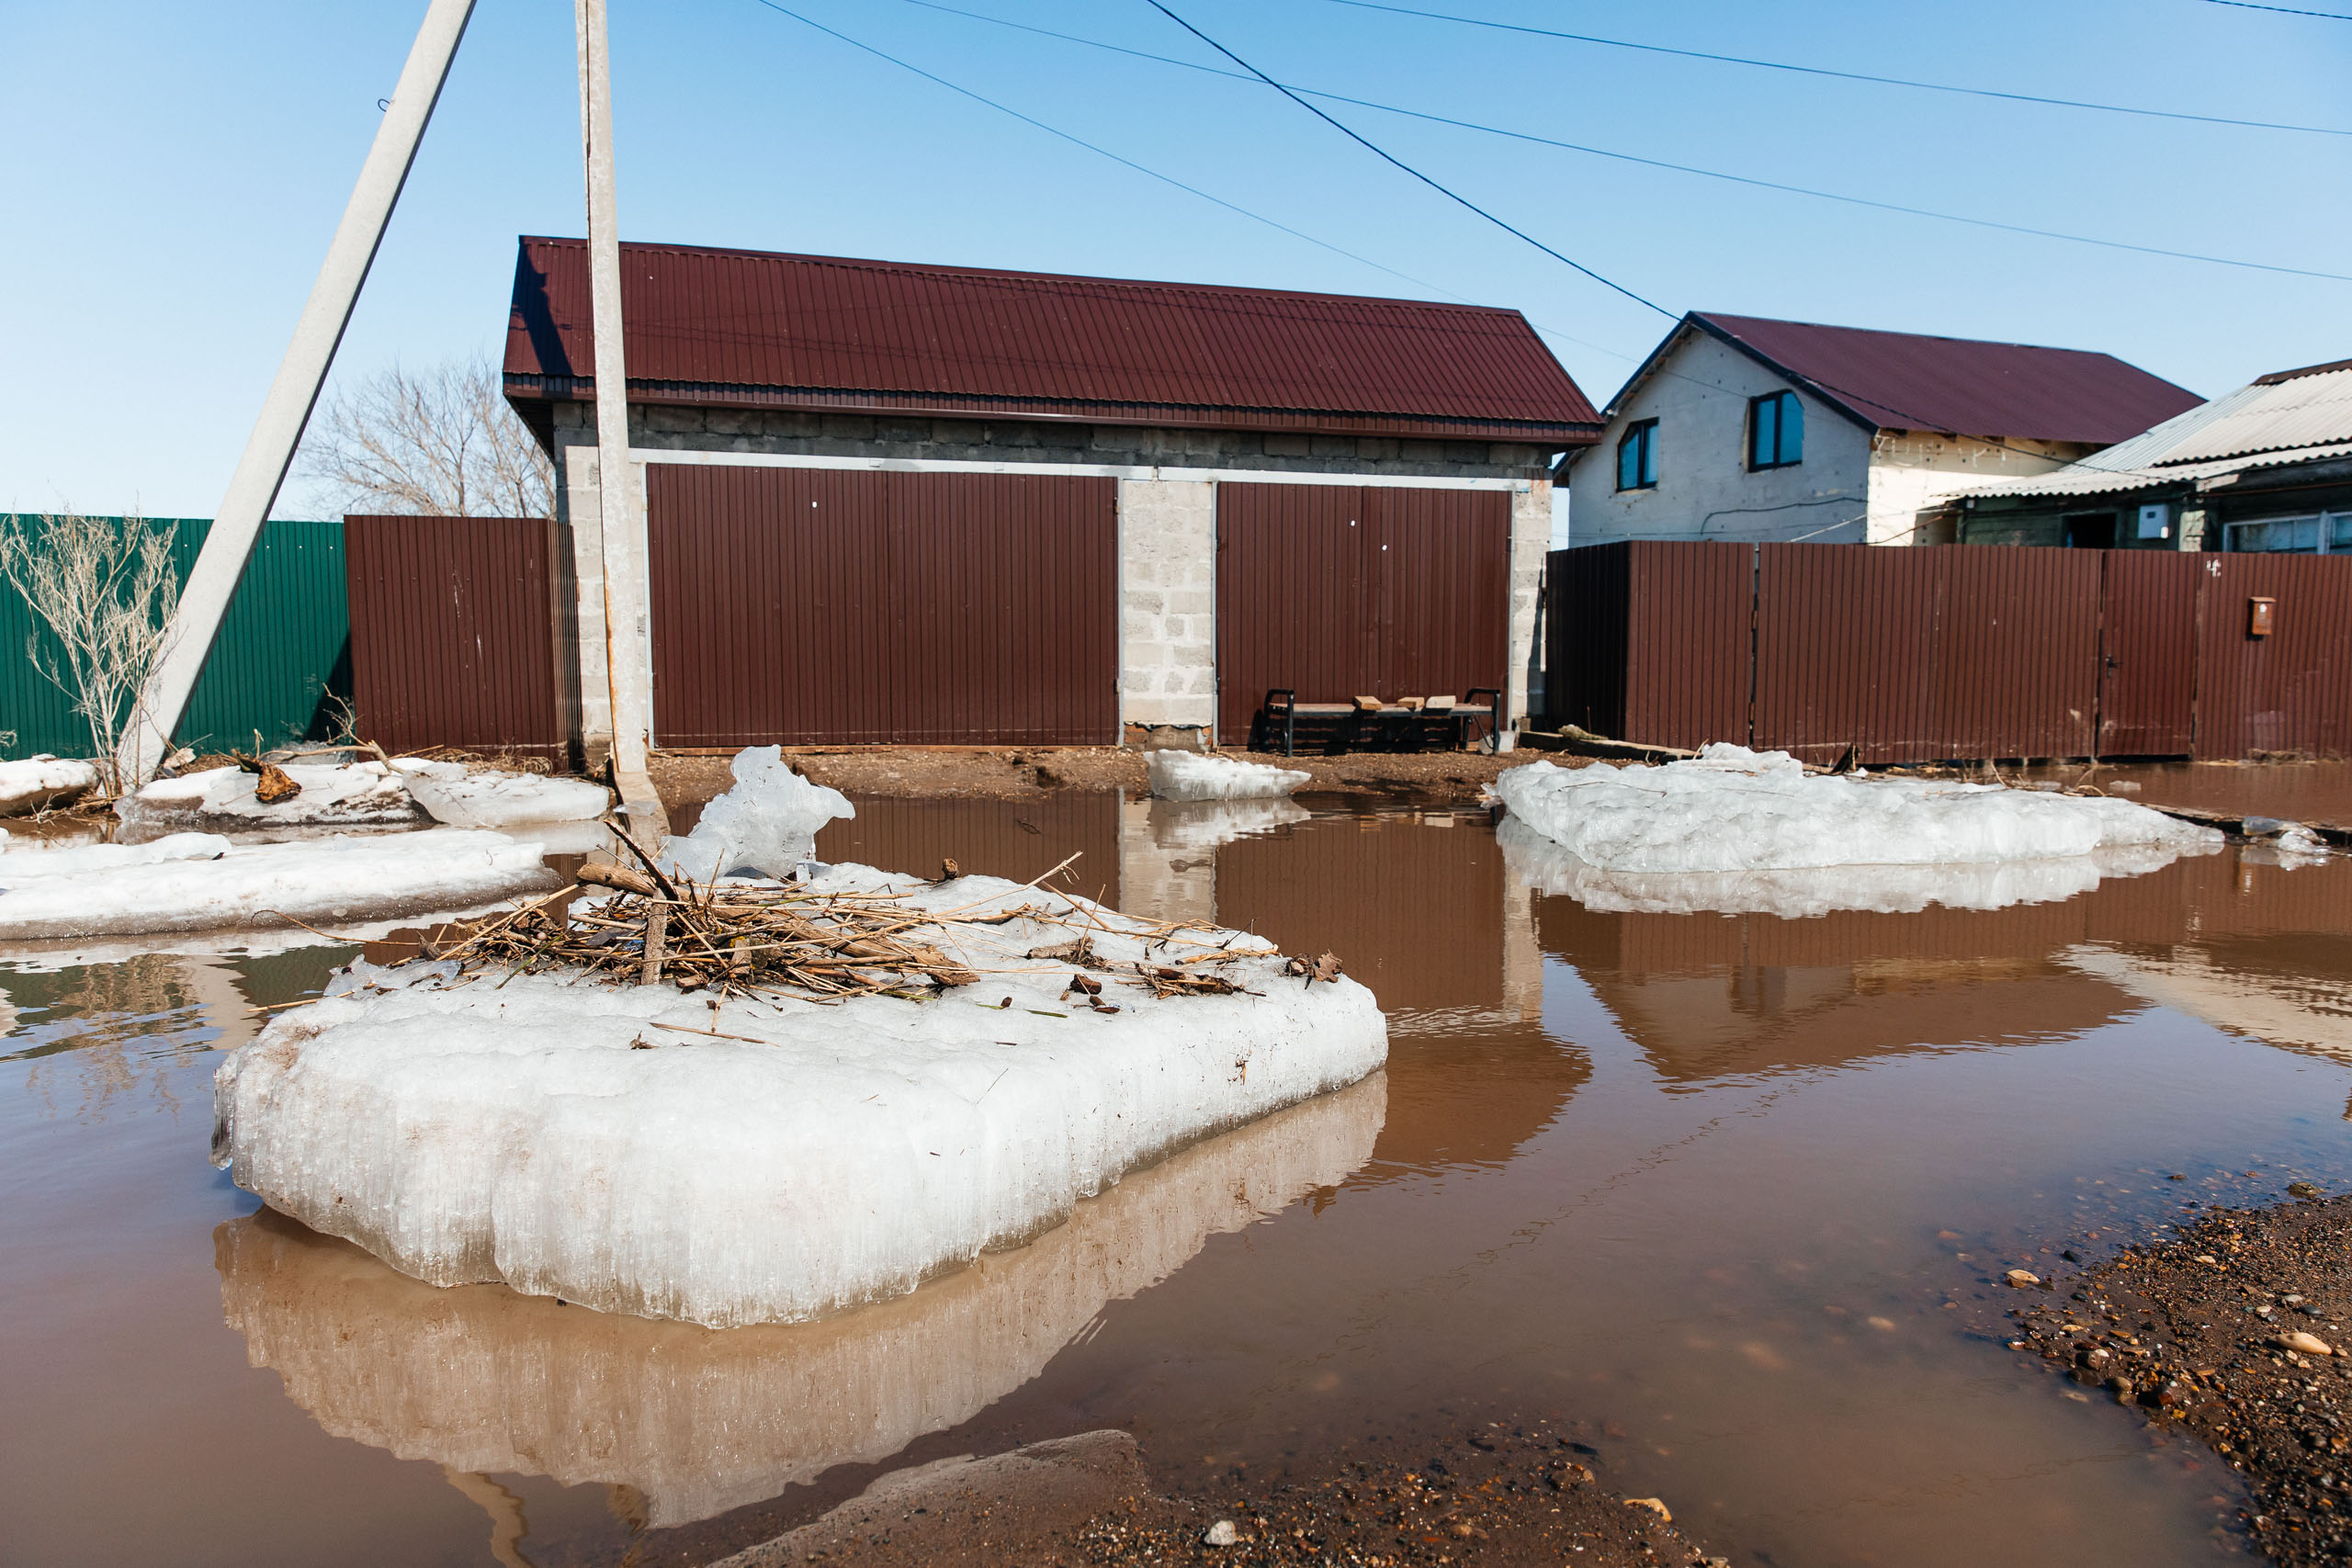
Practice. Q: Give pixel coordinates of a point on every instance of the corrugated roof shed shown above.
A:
(749, 328)
(1958, 386)
(2290, 417)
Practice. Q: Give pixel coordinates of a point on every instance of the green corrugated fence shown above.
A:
(285, 645)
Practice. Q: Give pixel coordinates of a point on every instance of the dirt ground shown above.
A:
(2200, 1330)
(1494, 1496)
(1010, 773)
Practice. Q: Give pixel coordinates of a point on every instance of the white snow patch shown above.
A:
(1193, 775)
(202, 882)
(485, 1380)
(221, 799)
(460, 796)
(829, 1157)
(43, 781)
(767, 821)
(1731, 809)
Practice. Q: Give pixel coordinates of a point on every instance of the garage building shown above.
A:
(881, 503)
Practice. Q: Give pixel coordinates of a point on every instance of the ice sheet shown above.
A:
(486, 1381)
(202, 882)
(1731, 810)
(1193, 775)
(460, 796)
(221, 799)
(766, 821)
(42, 781)
(823, 1157)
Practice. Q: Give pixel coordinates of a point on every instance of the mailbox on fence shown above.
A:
(2259, 613)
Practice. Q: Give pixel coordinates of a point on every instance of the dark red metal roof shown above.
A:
(750, 328)
(1959, 386)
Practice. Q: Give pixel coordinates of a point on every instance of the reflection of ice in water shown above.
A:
(479, 1378)
(2307, 1012)
(1818, 890)
(1209, 824)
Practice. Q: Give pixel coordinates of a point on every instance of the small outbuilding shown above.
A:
(2265, 468)
(885, 502)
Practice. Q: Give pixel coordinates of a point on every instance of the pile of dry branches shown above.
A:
(738, 939)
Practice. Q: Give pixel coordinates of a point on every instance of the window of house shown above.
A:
(1775, 431)
(1637, 456)
(2279, 535)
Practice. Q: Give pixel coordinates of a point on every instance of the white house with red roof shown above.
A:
(1743, 428)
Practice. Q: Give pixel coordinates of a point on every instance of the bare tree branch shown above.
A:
(440, 442)
(105, 589)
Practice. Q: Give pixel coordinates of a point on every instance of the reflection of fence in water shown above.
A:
(482, 1379)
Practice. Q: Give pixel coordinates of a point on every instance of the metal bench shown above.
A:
(1343, 726)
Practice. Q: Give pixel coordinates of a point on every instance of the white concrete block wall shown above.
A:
(1167, 601)
(1530, 536)
(580, 510)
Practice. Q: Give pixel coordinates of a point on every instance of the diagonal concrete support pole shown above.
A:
(269, 451)
(620, 499)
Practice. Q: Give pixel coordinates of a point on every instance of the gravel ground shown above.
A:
(1010, 773)
(2207, 1330)
(1497, 1495)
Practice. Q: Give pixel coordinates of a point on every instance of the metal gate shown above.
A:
(2147, 690)
(817, 605)
(1340, 591)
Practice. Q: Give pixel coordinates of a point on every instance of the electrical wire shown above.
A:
(2283, 10)
(1648, 162)
(1865, 76)
(1386, 156)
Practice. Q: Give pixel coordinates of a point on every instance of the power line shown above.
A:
(1862, 76)
(1647, 161)
(1106, 152)
(2283, 10)
(1391, 158)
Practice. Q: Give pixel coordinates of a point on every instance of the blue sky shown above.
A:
(175, 171)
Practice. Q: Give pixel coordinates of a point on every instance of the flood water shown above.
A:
(1731, 1192)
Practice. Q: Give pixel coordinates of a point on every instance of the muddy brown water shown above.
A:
(1733, 1193)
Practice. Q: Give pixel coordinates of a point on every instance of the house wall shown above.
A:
(1914, 474)
(1168, 480)
(1699, 395)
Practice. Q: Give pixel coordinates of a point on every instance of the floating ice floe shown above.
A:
(37, 783)
(459, 797)
(203, 881)
(1742, 831)
(484, 1381)
(223, 800)
(766, 823)
(1195, 776)
(650, 1151)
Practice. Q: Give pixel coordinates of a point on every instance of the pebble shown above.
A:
(1653, 1505)
(1221, 1533)
(2023, 1278)
(2304, 1344)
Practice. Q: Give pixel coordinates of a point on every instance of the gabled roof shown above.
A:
(1952, 385)
(2290, 416)
(750, 328)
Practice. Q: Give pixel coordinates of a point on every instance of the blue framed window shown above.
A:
(1637, 456)
(1775, 431)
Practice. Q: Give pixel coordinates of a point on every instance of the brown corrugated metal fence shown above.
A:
(1951, 654)
(453, 632)
(1341, 590)
(814, 606)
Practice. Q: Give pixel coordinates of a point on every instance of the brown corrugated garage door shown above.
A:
(814, 605)
(1340, 591)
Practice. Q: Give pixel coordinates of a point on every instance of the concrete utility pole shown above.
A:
(269, 451)
(620, 504)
